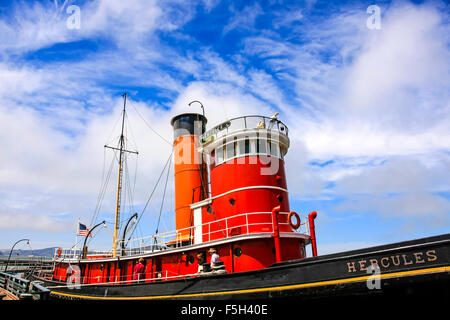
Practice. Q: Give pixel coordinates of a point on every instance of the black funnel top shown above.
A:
(188, 124)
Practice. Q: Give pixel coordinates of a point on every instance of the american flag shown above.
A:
(83, 230)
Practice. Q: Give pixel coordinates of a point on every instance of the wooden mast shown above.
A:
(121, 150)
(119, 182)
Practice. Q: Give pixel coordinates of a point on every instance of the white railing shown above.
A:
(117, 280)
(244, 123)
(218, 229)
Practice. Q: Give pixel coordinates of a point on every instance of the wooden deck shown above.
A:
(6, 295)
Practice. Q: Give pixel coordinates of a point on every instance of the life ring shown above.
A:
(294, 214)
(59, 252)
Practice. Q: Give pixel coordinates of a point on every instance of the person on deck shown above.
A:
(201, 257)
(138, 273)
(215, 259)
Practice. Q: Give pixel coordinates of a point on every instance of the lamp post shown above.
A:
(84, 252)
(122, 244)
(10, 252)
(201, 105)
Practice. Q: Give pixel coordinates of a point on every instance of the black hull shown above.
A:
(416, 267)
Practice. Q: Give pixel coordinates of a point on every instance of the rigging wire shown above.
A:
(108, 140)
(129, 127)
(164, 195)
(154, 131)
(105, 182)
(172, 203)
(151, 194)
(135, 174)
(129, 195)
(134, 145)
(100, 191)
(103, 189)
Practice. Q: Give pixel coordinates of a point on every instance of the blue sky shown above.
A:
(368, 109)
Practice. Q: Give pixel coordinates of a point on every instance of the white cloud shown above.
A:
(265, 87)
(390, 85)
(64, 172)
(422, 209)
(210, 4)
(399, 66)
(243, 19)
(304, 181)
(399, 187)
(34, 26)
(123, 21)
(398, 175)
(287, 18)
(38, 25)
(222, 101)
(31, 221)
(18, 81)
(53, 136)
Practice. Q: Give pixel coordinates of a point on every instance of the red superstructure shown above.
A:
(230, 194)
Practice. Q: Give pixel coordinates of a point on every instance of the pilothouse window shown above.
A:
(231, 152)
(274, 149)
(247, 146)
(244, 146)
(261, 147)
(219, 155)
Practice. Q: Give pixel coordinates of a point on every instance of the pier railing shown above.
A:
(25, 264)
(234, 226)
(23, 288)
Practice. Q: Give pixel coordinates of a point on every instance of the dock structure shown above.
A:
(14, 287)
(14, 272)
(25, 264)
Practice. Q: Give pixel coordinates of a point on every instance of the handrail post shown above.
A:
(312, 215)
(226, 227)
(276, 233)
(246, 220)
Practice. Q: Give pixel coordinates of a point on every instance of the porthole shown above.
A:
(280, 197)
(237, 252)
(232, 201)
(191, 259)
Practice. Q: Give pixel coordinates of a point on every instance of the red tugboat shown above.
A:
(231, 196)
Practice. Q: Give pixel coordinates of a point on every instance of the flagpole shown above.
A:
(76, 239)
